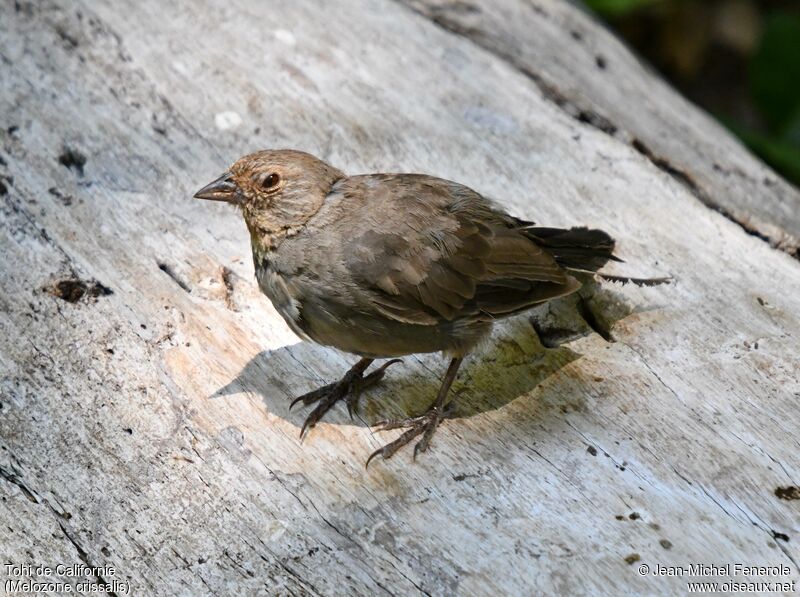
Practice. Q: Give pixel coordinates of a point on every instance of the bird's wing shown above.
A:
(441, 252)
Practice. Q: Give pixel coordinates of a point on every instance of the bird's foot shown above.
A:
(348, 388)
(424, 425)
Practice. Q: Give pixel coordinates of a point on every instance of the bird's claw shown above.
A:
(424, 425)
(325, 402)
(349, 388)
(360, 384)
(314, 395)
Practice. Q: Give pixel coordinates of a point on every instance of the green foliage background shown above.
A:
(764, 74)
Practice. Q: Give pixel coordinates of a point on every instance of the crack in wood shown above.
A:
(83, 555)
(621, 405)
(167, 269)
(440, 16)
(12, 476)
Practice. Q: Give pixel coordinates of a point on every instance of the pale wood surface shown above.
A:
(592, 76)
(149, 429)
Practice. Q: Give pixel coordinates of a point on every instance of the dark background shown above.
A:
(738, 59)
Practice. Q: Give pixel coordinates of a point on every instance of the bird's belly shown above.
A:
(377, 337)
(328, 322)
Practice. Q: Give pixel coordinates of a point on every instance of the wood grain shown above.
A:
(149, 429)
(580, 67)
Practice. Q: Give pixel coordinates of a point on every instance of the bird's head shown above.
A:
(276, 190)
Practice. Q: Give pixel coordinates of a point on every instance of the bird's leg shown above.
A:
(349, 388)
(424, 424)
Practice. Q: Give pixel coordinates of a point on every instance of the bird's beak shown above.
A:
(222, 189)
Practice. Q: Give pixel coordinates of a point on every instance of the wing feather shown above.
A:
(449, 255)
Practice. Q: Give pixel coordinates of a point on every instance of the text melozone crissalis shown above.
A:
(385, 265)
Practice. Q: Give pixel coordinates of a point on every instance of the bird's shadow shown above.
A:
(520, 354)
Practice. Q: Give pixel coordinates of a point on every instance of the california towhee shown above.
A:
(386, 265)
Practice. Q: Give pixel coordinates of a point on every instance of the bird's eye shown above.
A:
(270, 181)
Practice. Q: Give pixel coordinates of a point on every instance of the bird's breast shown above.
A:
(279, 292)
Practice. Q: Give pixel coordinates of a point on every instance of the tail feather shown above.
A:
(576, 248)
(625, 279)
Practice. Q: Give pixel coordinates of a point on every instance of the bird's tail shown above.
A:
(576, 248)
(585, 250)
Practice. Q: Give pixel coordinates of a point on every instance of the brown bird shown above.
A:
(386, 265)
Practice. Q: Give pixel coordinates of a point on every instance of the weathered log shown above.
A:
(596, 80)
(146, 382)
